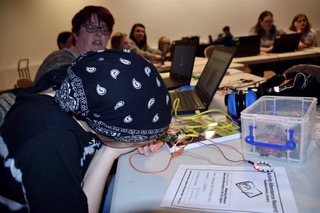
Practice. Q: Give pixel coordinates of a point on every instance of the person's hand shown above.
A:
(265, 50)
(297, 25)
(157, 64)
(149, 148)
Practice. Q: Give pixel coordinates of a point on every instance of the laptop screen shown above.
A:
(286, 43)
(214, 72)
(183, 59)
(247, 45)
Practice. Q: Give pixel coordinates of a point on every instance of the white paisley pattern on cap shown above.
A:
(128, 119)
(158, 82)
(147, 70)
(91, 69)
(124, 61)
(118, 105)
(101, 90)
(114, 73)
(151, 102)
(136, 84)
(120, 94)
(155, 118)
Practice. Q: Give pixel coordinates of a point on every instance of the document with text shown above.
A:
(230, 189)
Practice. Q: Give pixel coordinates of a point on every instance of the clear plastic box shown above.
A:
(279, 128)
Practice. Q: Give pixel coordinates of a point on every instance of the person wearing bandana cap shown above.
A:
(59, 145)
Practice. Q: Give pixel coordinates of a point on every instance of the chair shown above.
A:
(306, 68)
(23, 68)
(208, 51)
(23, 83)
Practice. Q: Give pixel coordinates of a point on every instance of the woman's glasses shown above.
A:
(90, 28)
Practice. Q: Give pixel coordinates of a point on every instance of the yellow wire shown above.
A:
(196, 118)
(198, 115)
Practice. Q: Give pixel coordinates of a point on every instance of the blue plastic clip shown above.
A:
(186, 87)
(290, 144)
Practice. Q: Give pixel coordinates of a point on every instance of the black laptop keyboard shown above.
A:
(190, 99)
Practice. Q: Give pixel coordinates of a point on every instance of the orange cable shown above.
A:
(175, 154)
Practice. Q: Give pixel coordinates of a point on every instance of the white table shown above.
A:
(135, 191)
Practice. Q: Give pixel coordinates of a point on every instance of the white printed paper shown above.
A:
(230, 189)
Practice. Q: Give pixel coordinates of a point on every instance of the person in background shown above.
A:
(65, 40)
(163, 40)
(120, 41)
(57, 158)
(301, 24)
(225, 39)
(91, 28)
(139, 44)
(267, 31)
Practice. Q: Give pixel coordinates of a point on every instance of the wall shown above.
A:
(29, 27)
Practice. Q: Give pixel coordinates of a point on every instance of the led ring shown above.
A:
(257, 167)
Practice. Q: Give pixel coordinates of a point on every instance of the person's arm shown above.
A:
(153, 51)
(265, 50)
(96, 176)
(98, 171)
(148, 55)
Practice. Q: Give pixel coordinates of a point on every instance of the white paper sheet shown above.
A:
(230, 189)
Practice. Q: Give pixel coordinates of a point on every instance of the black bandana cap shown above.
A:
(120, 94)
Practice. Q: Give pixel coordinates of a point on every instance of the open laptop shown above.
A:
(182, 65)
(201, 96)
(286, 43)
(247, 45)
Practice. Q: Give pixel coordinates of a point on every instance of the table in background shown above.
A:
(310, 53)
(200, 62)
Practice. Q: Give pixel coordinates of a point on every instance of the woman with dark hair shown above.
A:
(91, 28)
(139, 45)
(301, 24)
(267, 31)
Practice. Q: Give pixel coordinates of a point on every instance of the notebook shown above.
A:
(201, 96)
(247, 45)
(286, 43)
(182, 65)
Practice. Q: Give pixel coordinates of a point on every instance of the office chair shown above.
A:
(208, 51)
(306, 68)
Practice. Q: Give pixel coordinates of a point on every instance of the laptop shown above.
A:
(286, 43)
(201, 96)
(247, 45)
(182, 65)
